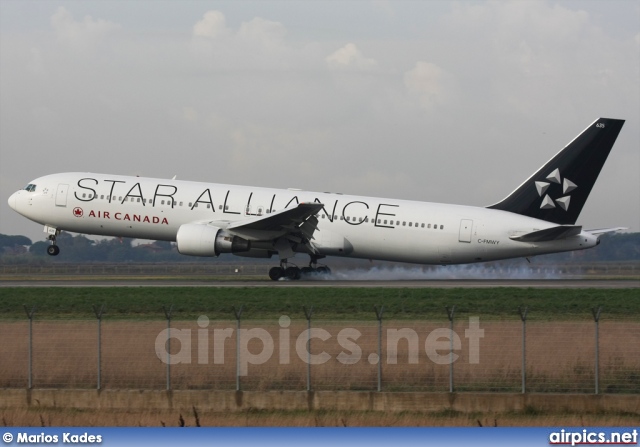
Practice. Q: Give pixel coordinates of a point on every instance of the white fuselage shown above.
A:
(351, 226)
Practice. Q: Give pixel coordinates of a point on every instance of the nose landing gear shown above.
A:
(53, 249)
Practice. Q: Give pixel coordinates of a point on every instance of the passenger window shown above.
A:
(422, 226)
(102, 197)
(429, 226)
(442, 227)
(84, 195)
(404, 224)
(208, 205)
(180, 203)
(409, 223)
(385, 222)
(162, 202)
(190, 204)
(219, 207)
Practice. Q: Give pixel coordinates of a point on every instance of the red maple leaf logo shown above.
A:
(78, 212)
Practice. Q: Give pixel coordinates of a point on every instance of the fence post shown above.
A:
(523, 317)
(238, 314)
(596, 317)
(379, 317)
(308, 313)
(167, 313)
(450, 313)
(30, 314)
(99, 313)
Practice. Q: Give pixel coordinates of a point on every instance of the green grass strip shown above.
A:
(329, 303)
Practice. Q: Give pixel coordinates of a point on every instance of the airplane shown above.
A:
(208, 219)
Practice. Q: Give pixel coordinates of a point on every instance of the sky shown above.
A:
(438, 101)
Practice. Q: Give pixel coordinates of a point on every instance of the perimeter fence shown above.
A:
(586, 353)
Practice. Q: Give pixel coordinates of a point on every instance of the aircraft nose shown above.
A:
(13, 200)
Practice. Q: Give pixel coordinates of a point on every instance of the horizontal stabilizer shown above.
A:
(549, 234)
(605, 230)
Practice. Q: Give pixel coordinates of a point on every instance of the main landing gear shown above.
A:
(53, 249)
(294, 272)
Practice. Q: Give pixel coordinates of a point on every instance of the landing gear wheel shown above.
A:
(323, 270)
(307, 270)
(292, 273)
(53, 250)
(275, 273)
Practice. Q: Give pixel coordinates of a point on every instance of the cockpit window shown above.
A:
(30, 187)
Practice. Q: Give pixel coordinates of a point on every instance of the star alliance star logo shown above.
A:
(567, 186)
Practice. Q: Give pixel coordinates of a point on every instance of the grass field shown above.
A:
(329, 303)
(47, 417)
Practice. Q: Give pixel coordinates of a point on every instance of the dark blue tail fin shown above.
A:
(558, 191)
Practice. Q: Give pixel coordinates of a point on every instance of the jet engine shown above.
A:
(207, 240)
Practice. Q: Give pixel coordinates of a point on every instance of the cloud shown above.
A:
(350, 56)
(265, 32)
(80, 35)
(428, 81)
(212, 25)
(257, 44)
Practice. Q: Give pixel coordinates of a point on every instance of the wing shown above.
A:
(285, 228)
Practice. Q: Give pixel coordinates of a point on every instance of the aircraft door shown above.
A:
(466, 226)
(61, 195)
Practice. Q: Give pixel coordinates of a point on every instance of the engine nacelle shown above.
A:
(207, 240)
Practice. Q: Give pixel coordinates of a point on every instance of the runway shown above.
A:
(413, 284)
